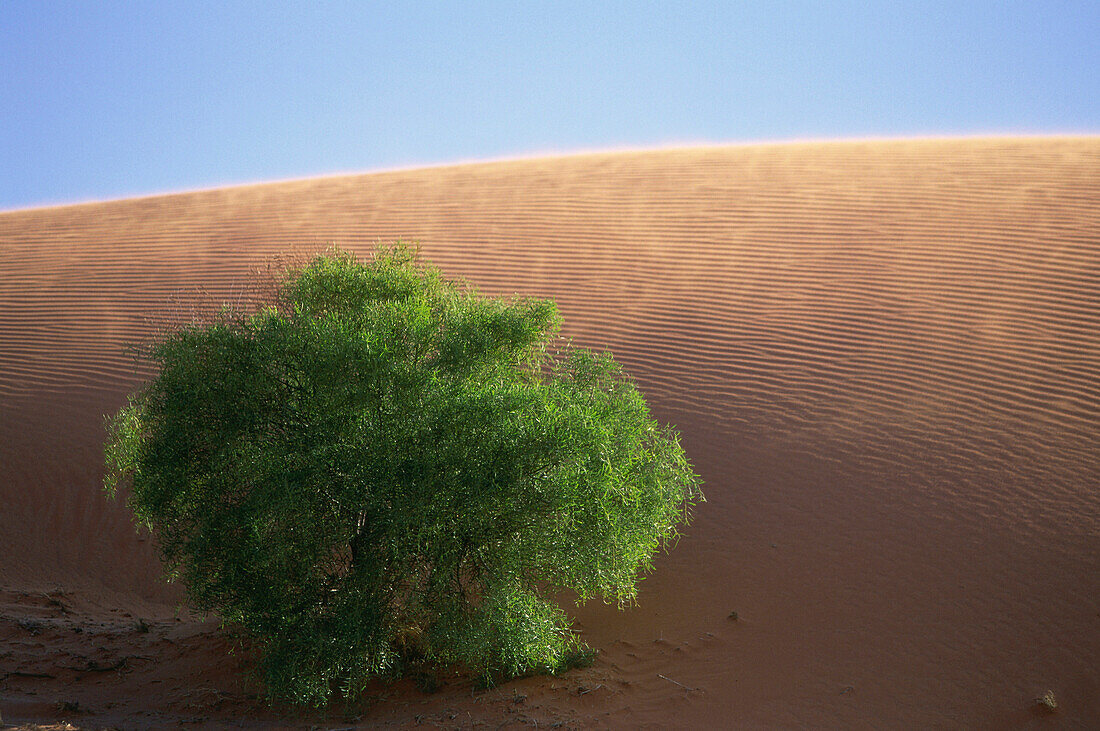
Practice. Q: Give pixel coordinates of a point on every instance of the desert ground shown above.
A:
(883, 358)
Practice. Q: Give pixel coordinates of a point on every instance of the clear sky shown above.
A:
(103, 100)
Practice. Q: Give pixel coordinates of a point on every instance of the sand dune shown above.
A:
(884, 358)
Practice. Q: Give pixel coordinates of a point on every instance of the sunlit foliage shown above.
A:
(382, 471)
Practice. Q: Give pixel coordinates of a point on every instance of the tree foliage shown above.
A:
(382, 470)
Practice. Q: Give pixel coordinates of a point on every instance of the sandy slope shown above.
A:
(883, 357)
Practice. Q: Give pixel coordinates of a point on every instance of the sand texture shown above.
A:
(883, 357)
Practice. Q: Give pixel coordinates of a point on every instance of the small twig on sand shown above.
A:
(92, 666)
(589, 690)
(21, 674)
(54, 599)
(674, 681)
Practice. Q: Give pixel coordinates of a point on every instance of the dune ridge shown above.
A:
(882, 357)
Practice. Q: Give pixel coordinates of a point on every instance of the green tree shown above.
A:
(381, 471)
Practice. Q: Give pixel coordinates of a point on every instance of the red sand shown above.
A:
(883, 358)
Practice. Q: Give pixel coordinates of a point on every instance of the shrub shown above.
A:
(381, 471)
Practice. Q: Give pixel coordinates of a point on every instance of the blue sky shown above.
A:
(103, 100)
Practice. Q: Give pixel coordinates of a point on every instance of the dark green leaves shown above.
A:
(383, 471)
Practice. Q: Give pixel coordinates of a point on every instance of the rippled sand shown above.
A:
(884, 358)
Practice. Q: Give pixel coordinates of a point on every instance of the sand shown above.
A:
(883, 357)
